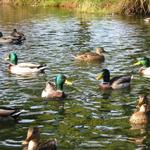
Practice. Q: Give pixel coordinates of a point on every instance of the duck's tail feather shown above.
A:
(42, 67)
(132, 77)
(16, 114)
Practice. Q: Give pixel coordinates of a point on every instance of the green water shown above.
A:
(88, 118)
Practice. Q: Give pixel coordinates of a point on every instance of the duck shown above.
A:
(91, 56)
(23, 68)
(141, 116)
(143, 100)
(17, 34)
(32, 141)
(145, 69)
(118, 82)
(147, 20)
(9, 113)
(9, 39)
(54, 89)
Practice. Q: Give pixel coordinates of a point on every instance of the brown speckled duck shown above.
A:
(32, 141)
(143, 99)
(91, 56)
(141, 116)
(17, 34)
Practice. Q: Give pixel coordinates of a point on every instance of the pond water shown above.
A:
(88, 118)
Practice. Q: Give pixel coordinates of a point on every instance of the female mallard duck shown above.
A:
(118, 82)
(9, 39)
(91, 56)
(145, 62)
(17, 34)
(9, 113)
(32, 141)
(143, 100)
(55, 90)
(141, 116)
(23, 68)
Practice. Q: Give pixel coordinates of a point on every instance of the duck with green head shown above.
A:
(118, 82)
(145, 63)
(55, 90)
(23, 68)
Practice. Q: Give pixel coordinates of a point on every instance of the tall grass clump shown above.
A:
(98, 6)
(135, 7)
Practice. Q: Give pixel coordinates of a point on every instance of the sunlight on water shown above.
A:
(88, 117)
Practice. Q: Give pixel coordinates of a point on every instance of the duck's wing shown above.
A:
(49, 145)
(120, 79)
(28, 65)
(87, 56)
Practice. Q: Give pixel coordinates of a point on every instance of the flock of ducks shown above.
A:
(54, 89)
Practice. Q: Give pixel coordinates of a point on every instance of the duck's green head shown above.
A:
(144, 62)
(105, 75)
(12, 57)
(60, 80)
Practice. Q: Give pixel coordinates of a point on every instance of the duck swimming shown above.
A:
(141, 116)
(91, 56)
(9, 113)
(23, 68)
(147, 20)
(55, 90)
(17, 34)
(118, 82)
(32, 141)
(9, 39)
(145, 69)
(143, 100)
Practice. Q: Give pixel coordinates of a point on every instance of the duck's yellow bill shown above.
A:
(100, 76)
(6, 58)
(137, 63)
(68, 82)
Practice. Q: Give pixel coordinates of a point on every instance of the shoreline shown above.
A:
(84, 6)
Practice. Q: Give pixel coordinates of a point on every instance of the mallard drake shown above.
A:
(55, 90)
(9, 39)
(145, 62)
(32, 141)
(23, 68)
(9, 113)
(118, 82)
(17, 34)
(141, 116)
(91, 56)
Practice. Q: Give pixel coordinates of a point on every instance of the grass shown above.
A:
(135, 7)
